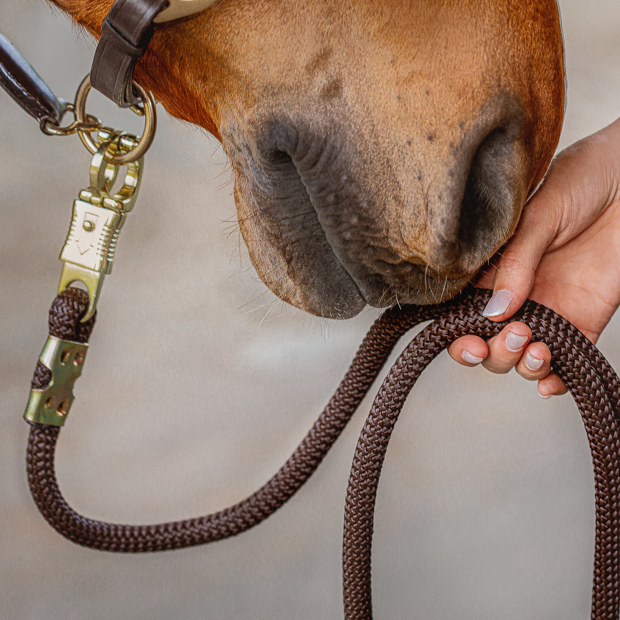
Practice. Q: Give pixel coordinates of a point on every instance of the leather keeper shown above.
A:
(120, 43)
(26, 87)
(126, 33)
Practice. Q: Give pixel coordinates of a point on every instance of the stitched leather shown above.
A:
(26, 87)
(126, 33)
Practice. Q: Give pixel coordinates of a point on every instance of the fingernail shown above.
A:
(470, 358)
(543, 396)
(533, 363)
(498, 304)
(515, 342)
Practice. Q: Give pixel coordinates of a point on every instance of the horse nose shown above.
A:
(482, 198)
(443, 253)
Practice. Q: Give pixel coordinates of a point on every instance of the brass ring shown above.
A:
(145, 141)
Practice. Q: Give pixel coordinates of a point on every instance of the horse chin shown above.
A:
(421, 289)
(316, 282)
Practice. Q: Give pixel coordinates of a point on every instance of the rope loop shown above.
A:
(592, 382)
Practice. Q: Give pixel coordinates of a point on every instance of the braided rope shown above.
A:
(591, 380)
(592, 383)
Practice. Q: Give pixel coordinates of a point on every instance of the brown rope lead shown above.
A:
(593, 384)
(591, 380)
(66, 311)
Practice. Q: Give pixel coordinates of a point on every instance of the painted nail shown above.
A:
(498, 304)
(543, 396)
(470, 358)
(515, 342)
(533, 363)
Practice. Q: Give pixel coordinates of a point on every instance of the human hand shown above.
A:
(565, 254)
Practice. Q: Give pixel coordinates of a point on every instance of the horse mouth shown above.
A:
(287, 243)
(329, 237)
(292, 223)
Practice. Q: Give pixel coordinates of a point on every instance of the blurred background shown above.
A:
(200, 383)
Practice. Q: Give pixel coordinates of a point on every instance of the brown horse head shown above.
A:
(382, 151)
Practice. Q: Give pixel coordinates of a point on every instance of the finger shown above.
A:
(535, 363)
(468, 350)
(514, 273)
(550, 386)
(506, 349)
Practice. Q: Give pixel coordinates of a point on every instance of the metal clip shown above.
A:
(98, 217)
(51, 405)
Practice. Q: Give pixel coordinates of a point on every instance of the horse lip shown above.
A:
(322, 217)
(312, 196)
(280, 225)
(324, 174)
(374, 287)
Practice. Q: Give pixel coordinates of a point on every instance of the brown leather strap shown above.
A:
(126, 33)
(26, 87)
(592, 382)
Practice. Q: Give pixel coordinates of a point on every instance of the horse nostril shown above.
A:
(276, 161)
(492, 191)
(476, 208)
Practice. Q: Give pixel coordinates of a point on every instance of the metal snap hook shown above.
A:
(103, 173)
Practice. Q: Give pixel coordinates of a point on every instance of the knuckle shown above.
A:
(528, 375)
(506, 358)
(497, 369)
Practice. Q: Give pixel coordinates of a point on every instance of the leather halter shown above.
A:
(126, 33)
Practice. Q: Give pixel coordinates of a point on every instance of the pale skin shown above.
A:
(564, 254)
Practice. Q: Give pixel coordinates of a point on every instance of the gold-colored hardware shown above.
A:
(142, 145)
(92, 123)
(92, 280)
(98, 217)
(65, 359)
(182, 8)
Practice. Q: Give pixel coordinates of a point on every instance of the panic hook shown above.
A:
(98, 217)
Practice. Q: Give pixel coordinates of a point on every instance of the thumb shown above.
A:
(516, 269)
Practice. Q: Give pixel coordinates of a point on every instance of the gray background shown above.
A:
(199, 384)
